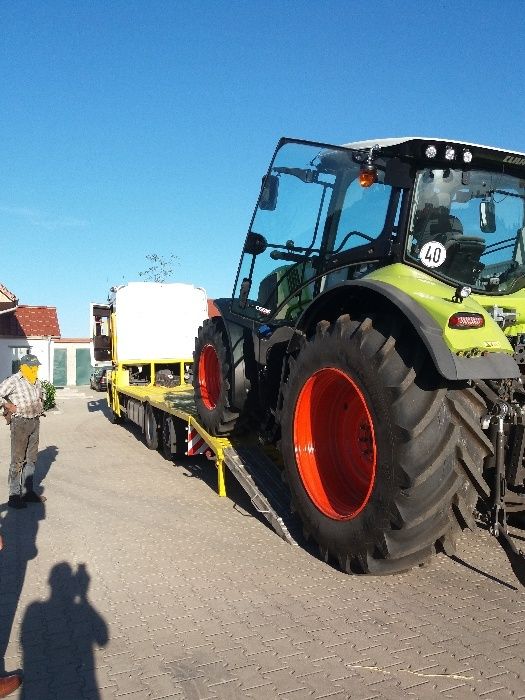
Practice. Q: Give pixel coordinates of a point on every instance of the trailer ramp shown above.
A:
(259, 477)
(252, 468)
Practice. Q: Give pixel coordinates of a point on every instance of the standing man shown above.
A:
(22, 396)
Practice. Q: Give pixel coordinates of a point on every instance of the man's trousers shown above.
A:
(24, 451)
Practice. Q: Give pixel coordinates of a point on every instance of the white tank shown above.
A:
(157, 321)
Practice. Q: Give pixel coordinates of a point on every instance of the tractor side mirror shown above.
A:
(487, 215)
(255, 244)
(269, 192)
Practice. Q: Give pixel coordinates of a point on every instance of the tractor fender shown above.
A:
(236, 335)
(493, 365)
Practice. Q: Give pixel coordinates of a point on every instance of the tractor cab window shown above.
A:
(312, 210)
(468, 228)
(363, 212)
(362, 219)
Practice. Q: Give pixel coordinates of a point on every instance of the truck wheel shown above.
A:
(374, 444)
(151, 429)
(210, 380)
(170, 425)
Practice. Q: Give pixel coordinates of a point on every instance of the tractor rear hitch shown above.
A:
(497, 514)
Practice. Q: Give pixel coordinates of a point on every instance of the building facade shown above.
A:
(26, 329)
(35, 329)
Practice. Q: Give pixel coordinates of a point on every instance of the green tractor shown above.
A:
(376, 336)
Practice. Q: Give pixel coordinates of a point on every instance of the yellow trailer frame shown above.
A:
(176, 401)
(249, 465)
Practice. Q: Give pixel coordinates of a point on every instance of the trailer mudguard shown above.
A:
(492, 365)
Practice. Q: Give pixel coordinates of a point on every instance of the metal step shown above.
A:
(261, 480)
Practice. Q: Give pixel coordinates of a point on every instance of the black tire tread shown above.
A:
(222, 420)
(436, 424)
(151, 439)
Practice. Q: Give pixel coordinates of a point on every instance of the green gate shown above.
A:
(83, 366)
(60, 367)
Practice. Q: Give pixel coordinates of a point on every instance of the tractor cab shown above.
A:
(328, 215)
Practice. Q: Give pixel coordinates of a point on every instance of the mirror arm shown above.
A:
(244, 291)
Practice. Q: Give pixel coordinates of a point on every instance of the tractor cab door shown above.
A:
(100, 346)
(281, 255)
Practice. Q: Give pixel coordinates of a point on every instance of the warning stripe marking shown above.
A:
(196, 445)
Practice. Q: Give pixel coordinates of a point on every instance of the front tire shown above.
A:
(373, 443)
(211, 372)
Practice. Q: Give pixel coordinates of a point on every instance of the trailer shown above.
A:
(147, 331)
(180, 434)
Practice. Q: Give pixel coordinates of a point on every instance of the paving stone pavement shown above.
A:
(135, 580)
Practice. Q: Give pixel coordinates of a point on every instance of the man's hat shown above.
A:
(30, 360)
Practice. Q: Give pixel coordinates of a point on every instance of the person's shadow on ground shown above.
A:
(58, 637)
(19, 530)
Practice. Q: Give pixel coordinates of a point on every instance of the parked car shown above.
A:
(98, 379)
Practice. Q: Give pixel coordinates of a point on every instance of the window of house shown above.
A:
(16, 354)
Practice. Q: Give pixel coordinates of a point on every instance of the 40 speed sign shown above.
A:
(433, 254)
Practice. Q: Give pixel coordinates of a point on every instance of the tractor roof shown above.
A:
(413, 144)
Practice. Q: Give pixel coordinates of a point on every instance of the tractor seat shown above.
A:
(436, 224)
(463, 257)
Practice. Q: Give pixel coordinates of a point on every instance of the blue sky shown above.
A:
(131, 128)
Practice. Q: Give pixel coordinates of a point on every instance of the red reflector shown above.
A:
(465, 320)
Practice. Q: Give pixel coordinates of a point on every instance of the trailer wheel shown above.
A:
(151, 429)
(375, 446)
(210, 380)
(170, 426)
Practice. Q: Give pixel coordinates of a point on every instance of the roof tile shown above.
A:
(30, 321)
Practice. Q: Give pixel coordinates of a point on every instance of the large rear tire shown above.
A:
(374, 442)
(211, 371)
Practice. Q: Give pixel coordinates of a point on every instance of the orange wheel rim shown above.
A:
(209, 377)
(335, 447)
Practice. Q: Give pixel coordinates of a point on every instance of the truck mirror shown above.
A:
(487, 215)
(255, 244)
(269, 192)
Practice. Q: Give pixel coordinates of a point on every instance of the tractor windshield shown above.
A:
(468, 228)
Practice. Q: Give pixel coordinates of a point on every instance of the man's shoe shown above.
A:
(32, 497)
(8, 684)
(16, 502)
